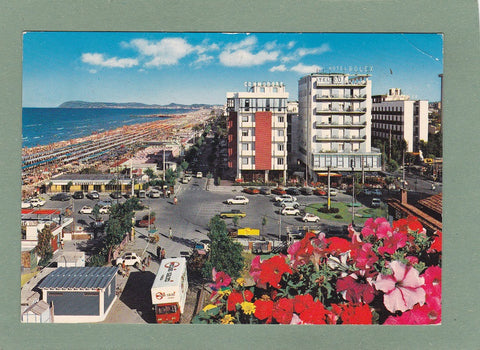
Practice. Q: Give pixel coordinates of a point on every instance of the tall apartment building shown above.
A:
(333, 125)
(396, 117)
(257, 132)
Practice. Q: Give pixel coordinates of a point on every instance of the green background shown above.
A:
(458, 20)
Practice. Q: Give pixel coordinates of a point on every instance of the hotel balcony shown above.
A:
(347, 125)
(337, 138)
(355, 97)
(349, 84)
(341, 110)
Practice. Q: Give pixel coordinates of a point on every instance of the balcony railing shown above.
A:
(340, 98)
(351, 125)
(347, 110)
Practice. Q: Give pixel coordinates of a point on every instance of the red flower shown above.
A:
(410, 223)
(273, 269)
(336, 245)
(357, 287)
(302, 302)
(364, 256)
(233, 299)
(356, 314)
(393, 242)
(437, 243)
(263, 310)
(283, 310)
(248, 295)
(314, 314)
(419, 315)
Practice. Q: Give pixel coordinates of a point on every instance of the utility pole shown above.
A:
(328, 188)
(352, 163)
(131, 177)
(163, 163)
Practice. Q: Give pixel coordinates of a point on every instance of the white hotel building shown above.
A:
(257, 132)
(396, 117)
(334, 122)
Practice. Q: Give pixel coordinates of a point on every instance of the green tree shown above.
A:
(170, 177)
(264, 222)
(235, 221)
(150, 173)
(225, 253)
(69, 184)
(44, 247)
(184, 165)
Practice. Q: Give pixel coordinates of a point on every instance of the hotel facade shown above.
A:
(333, 128)
(257, 132)
(396, 117)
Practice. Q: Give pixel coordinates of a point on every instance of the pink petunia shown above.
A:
(364, 256)
(403, 289)
(378, 227)
(221, 279)
(392, 243)
(357, 287)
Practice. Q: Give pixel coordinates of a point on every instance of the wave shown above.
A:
(60, 128)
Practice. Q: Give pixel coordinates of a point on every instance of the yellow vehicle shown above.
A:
(232, 213)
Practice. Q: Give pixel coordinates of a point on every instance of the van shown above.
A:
(376, 202)
(142, 194)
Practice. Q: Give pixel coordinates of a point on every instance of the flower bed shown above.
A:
(382, 275)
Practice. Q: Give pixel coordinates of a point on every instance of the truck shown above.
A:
(169, 290)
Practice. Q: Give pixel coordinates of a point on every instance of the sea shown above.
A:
(42, 126)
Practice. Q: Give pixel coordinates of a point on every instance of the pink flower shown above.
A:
(380, 227)
(256, 270)
(403, 289)
(393, 242)
(357, 287)
(364, 257)
(221, 279)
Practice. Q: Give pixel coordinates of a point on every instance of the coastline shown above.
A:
(113, 140)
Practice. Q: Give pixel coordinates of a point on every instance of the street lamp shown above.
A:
(353, 192)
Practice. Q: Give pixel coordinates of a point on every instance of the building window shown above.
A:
(247, 104)
(244, 146)
(253, 160)
(267, 104)
(279, 161)
(280, 119)
(280, 133)
(245, 118)
(244, 160)
(275, 89)
(262, 89)
(280, 147)
(244, 132)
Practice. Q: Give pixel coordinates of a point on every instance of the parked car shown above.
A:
(289, 203)
(154, 193)
(232, 213)
(144, 222)
(311, 218)
(293, 191)
(93, 195)
(251, 190)
(319, 192)
(377, 192)
(105, 202)
(86, 210)
(116, 195)
(238, 200)
(265, 190)
(130, 259)
(37, 202)
(78, 195)
(307, 191)
(376, 202)
(367, 191)
(333, 192)
(142, 194)
(26, 204)
(279, 191)
(184, 180)
(61, 197)
(290, 211)
(105, 209)
(338, 231)
(199, 174)
(285, 197)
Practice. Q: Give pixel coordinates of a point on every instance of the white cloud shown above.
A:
(301, 52)
(303, 69)
(280, 68)
(271, 45)
(93, 71)
(202, 59)
(167, 51)
(291, 44)
(241, 54)
(97, 59)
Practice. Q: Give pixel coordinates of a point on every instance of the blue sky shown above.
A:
(160, 68)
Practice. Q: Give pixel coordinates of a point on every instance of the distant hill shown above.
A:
(83, 104)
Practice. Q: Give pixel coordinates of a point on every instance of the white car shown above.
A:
(333, 192)
(289, 203)
(86, 210)
(285, 197)
(238, 200)
(376, 202)
(290, 211)
(105, 209)
(311, 218)
(130, 259)
(154, 194)
(26, 205)
(199, 174)
(37, 202)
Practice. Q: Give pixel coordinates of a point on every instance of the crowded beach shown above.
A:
(101, 150)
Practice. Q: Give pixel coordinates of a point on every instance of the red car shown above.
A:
(144, 221)
(319, 192)
(251, 190)
(279, 191)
